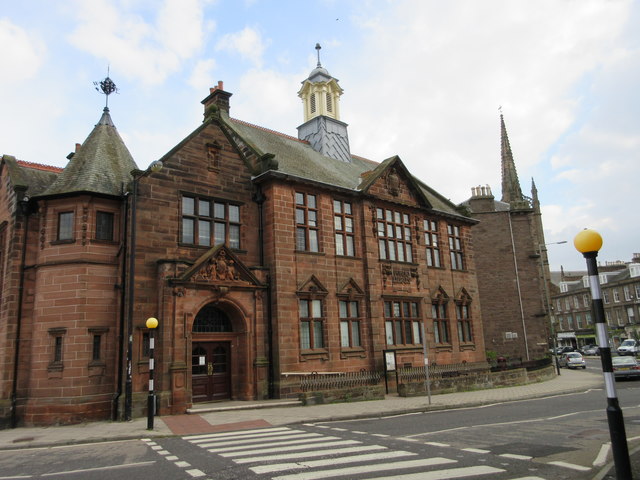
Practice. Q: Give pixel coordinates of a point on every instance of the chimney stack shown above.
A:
(218, 97)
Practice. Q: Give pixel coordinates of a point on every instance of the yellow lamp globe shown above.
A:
(152, 322)
(588, 241)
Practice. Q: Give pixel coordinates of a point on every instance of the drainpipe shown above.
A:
(123, 282)
(25, 211)
(131, 279)
(515, 268)
(259, 198)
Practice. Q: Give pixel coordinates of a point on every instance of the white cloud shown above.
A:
(21, 55)
(202, 75)
(135, 46)
(248, 43)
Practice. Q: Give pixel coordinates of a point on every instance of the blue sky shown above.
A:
(422, 79)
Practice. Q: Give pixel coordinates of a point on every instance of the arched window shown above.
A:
(211, 320)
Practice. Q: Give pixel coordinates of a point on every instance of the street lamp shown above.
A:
(588, 242)
(544, 261)
(151, 323)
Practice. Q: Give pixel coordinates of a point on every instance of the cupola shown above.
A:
(322, 128)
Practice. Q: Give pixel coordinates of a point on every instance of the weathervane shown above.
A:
(318, 47)
(107, 87)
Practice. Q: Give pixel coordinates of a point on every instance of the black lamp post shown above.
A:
(588, 242)
(152, 323)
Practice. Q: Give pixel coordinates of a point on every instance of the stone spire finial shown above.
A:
(511, 191)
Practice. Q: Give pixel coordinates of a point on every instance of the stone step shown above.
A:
(232, 406)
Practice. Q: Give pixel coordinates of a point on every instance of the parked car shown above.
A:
(591, 350)
(625, 367)
(628, 347)
(561, 350)
(572, 360)
(586, 347)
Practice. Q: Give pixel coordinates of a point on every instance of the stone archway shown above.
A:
(211, 359)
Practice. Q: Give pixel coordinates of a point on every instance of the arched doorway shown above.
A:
(211, 355)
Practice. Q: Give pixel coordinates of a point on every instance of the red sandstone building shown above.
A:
(512, 266)
(264, 257)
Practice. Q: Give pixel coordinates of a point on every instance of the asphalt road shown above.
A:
(561, 437)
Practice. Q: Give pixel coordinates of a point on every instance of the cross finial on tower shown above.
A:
(318, 47)
(107, 87)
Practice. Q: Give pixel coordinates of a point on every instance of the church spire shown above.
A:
(511, 191)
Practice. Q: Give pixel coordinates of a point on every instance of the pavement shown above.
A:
(238, 415)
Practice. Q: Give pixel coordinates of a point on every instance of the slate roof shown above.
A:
(34, 177)
(101, 165)
(296, 158)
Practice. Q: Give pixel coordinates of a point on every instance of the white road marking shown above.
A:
(195, 473)
(273, 444)
(259, 451)
(475, 450)
(515, 456)
(339, 472)
(273, 440)
(436, 444)
(280, 467)
(572, 466)
(236, 434)
(315, 453)
(444, 474)
(97, 469)
(601, 458)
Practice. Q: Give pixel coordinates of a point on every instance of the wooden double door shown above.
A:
(211, 371)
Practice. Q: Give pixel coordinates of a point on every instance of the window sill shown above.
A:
(352, 352)
(63, 242)
(414, 346)
(308, 252)
(315, 354)
(467, 346)
(104, 242)
(398, 262)
(444, 347)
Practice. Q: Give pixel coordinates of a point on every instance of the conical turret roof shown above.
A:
(101, 165)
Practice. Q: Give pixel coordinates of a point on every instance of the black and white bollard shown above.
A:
(151, 323)
(588, 242)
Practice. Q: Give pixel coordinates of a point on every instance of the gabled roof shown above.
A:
(101, 165)
(33, 177)
(296, 158)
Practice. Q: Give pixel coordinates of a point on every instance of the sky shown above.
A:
(423, 79)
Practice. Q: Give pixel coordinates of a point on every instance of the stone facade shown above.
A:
(261, 259)
(512, 266)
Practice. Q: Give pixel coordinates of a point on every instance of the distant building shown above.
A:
(620, 286)
(266, 258)
(512, 265)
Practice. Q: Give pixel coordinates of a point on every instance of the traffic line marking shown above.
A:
(315, 453)
(572, 466)
(475, 450)
(368, 469)
(444, 474)
(515, 456)
(280, 467)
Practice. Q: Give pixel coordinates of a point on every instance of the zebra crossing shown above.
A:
(285, 453)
